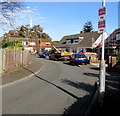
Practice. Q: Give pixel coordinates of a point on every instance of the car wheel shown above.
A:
(73, 63)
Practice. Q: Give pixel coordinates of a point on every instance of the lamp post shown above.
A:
(102, 62)
(103, 3)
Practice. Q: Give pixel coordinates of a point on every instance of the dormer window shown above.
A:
(68, 41)
(75, 41)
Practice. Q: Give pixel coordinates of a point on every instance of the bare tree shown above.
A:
(8, 11)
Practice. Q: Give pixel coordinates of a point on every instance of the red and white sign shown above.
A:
(102, 11)
(101, 30)
(101, 22)
(101, 17)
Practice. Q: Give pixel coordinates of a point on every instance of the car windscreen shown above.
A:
(80, 56)
(46, 53)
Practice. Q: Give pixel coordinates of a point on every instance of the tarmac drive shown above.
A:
(53, 90)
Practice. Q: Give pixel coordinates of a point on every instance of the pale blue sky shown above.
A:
(65, 18)
(119, 14)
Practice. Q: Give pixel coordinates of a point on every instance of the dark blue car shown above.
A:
(44, 54)
(79, 58)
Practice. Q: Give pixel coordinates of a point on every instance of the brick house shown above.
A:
(39, 44)
(112, 43)
(34, 44)
(45, 44)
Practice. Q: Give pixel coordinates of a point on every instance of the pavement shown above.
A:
(22, 73)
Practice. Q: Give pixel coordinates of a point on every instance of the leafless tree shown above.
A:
(9, 10)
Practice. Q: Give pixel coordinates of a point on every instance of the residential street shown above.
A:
(51, 91)
(54, 61)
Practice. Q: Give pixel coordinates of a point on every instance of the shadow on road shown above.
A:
(78, 85)
(95, 68)
(91, 74)
(79, 107)
(60, 88)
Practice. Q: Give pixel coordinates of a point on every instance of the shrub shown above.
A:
(118, 60)
(12, 44)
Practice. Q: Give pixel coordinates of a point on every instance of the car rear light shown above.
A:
(75, 59)
(87, 58)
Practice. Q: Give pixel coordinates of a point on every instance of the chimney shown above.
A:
(81, 32)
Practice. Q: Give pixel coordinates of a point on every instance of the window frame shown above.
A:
(68, 41)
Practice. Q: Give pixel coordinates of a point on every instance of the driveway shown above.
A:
(55, 90)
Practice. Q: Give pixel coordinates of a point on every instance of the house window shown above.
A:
(23, 43)
(76, 41)
(117, 36)
(68, 41)
(80, 50)
(67, 50)
(74, 50)
(32, 43)
(47, 44)
(26, 43)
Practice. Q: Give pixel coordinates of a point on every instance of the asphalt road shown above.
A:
(51, 91)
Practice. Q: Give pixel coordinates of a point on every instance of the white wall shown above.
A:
(96, 43)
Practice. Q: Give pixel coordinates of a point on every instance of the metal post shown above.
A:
(102, 69)
(102, 74)
(103, 3)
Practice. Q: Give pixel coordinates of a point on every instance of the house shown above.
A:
(39, 44)
(33, 44)
(112, 43)
(84, 42)
(45, 44)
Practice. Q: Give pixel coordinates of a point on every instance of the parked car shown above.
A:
(44, 54)
(91, 54)
(79, 58)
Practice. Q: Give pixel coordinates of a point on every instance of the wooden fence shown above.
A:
(13, 59)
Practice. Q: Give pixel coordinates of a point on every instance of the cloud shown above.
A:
(28, 11)
(11, 13)
(42, 19)
(27, 7)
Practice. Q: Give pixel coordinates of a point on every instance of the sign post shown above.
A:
(102, 20)
(102, 29)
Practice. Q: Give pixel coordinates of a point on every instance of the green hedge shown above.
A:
(118, 59)
(12, 44)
